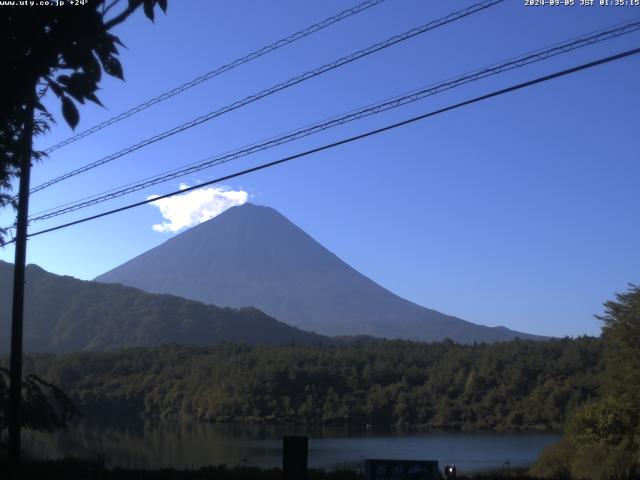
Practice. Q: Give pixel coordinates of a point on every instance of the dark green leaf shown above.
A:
(78, 85)
(79, 98)
(72, 58)
(105, 47)
(55, 87)
(94, 99)
(112, 67)
(83, 83)
(92, 68)
(163, 5)
(70, 112)
(64, 80)
(115, 39)
(148, 9)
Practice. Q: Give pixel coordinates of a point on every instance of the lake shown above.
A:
(193, 445)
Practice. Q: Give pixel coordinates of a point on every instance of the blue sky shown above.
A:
(521, 211)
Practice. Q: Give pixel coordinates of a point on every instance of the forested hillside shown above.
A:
(65, 314)
(512, 385)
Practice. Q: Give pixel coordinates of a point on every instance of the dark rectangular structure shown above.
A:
(295, 453)
(378, 469)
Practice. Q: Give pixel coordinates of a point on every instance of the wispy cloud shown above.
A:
(197, 206)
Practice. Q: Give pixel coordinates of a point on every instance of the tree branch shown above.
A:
(123, 16)
(106, 9)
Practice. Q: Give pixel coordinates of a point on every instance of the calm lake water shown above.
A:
(192, 445)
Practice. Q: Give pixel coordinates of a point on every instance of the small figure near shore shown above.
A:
(449, 470)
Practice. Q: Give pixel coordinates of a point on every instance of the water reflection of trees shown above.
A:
(135, 444)
(152, 444)
(187, 445)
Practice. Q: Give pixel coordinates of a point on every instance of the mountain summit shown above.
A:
(253, 256)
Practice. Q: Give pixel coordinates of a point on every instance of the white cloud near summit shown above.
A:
(195, 207)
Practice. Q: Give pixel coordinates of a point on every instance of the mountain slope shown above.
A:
(66, 314)
(253, 256)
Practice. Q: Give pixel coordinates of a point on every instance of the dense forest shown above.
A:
(602, 437)
(502, 386)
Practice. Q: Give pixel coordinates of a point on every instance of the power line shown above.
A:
(525, 59)
(495, 93)
(276, 88)
(220, 70)
(404, 99)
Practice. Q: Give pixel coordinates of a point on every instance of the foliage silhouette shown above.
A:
(63, 49)
(45, 406)
(602, 438)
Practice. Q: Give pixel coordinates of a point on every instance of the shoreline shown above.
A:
(72, 468)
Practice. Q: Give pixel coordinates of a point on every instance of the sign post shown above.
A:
(295, 454)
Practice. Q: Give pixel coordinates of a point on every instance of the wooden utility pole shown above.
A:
(15, 389)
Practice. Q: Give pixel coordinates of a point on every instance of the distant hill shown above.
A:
(253, 256)
(64, 314)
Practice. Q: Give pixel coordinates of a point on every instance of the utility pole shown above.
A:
(15, 389)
